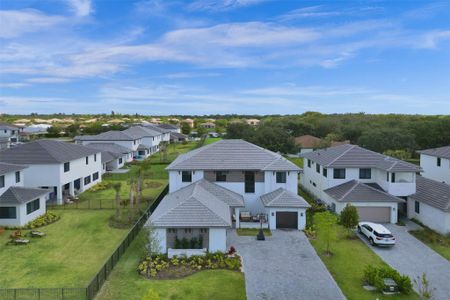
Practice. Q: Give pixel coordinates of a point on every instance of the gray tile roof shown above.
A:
(200, 204)
(355, 191)
(141, 132)
(283, 198)
(110, 147)
(433, 193)
(232, 155)
(443, 152)
(167, 126)
(6, 126)
(143, 147)
(9, 168)
(176, 135)
(156, 128)
(353, 156)
(45, 152)
(21, 195)
(112, 135)
(109, 156)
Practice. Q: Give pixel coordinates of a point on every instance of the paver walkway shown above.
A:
(411, 257)
(284, 267)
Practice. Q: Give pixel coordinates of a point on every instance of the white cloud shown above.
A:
(81, 8)
(221, 5)
(13, 85)
(17, 22)
(47, 80)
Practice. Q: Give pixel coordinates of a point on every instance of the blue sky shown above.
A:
(232, 56)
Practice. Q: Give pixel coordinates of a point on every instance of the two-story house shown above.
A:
(172, 128)
(372, 182)
(150, 139)
(114, 156)
(431, 202)
(64, 168)
(436, 163)
(165, 133)
(18, 204)
(121, 138)
(9, 134)
(210, 185)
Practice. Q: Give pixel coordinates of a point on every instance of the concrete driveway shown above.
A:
(284, 266)
(411, 257)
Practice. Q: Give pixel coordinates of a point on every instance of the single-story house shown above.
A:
(20, 205)
(431, 204)
(373, 204)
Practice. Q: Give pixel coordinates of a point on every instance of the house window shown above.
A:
(339, 173)
(309, 163)
(186, 176)
(171, 230)
(417, 207)
(95, 176)
(387, 176)
(87, 160)
(325, 172)
(8, 212)
(281, 177)
(2, 181)
(33, 206)
(187, 230)
(365, 173)
(249, 185)
(438, 161)
(203, 230)
(66, 167)
(120, 160)
(95, 157)
(318, 168)
(87, 180)
(17, 176)
(221, 176)
(393, 177)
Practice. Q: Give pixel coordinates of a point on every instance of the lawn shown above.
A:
(125, 283)
(434, 240)
(296, 160)
(251, 232)
(70, 255)
(211, 140)
(347, 264)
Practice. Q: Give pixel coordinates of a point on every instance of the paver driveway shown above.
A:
(284, 266)
(411, 257)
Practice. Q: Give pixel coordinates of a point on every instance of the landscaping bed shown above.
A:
(438, 242)
(162, 267)
(252, 231)
(44, 220)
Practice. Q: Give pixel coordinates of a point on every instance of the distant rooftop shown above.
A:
(443, 152)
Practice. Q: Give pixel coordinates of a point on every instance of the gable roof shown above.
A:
(112, 135)
(110, 147)
(355, 191)
(140, 131)
(9, 168)
(232, 155)
(45, 152)
(176, 135)
(307, 141)
(433, 193)
(200, 204)
(283, 198)
(21, 195)
(156, 128)
(348, 156)
(443, 152)
(167, 126)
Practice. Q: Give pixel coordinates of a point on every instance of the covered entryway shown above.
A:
(374, 214)
(287, 219)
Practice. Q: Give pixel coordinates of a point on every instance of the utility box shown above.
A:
(390, 287)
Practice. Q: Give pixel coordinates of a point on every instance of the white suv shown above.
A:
(377, 234)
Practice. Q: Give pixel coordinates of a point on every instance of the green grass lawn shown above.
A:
(296, 160)
(434, 240)
(71, 253)
(347, 264)
(211, 140)
(125, 283)
(251, 231)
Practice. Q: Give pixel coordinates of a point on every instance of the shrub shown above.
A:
(184, 243)
(151, 295)
(45, 219)
(375, 275)
(349, 217)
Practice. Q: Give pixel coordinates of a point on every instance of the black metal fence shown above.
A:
(89, 292)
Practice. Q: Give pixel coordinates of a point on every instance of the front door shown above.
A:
(249, 182)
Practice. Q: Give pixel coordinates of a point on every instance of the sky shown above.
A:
(162, 57)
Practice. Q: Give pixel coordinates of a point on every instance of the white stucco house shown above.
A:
(376, 184)
(172, 128)
(19, 205)
(63, 168)
(209, 188)
(9, 134)
(431, 204)
(435, 163)
(114, 156)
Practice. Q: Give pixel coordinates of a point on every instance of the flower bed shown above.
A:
(46, 219)
(162, 267)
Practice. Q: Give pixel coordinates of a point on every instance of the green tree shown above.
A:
(239, 130)
(349, 218)
(273, 138)
(54, 131)
(326, 226)
(185, 128)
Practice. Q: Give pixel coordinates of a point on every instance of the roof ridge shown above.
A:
(378, 190)
(39, 142)
(209, 209)
(351, 189)
(277, 196)
(345, 152)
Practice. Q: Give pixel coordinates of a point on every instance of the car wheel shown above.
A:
(371, 242)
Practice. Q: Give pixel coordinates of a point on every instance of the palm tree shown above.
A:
(132, 189)
(117, 186)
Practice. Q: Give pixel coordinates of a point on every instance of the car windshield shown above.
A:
(383, 235)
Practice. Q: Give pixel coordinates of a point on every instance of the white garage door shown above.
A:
(374, 214)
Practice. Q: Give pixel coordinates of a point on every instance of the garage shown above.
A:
(287, 219)
(374, 214)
